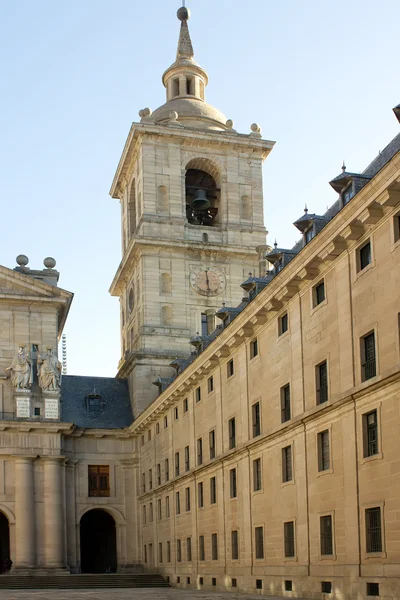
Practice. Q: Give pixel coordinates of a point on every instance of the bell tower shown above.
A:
(190, 189)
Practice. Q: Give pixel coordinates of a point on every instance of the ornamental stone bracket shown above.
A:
(389, 198)
(353, 231)
(333, 249)
(372, 214)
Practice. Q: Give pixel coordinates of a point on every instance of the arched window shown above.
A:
(166, 315)
(132, 209)
(165, 283)
(202, 192)
(162, 199)
(245, 207)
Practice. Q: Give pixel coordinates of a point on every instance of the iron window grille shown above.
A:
(326, 587)
(259, 542)
(323, 451)
(189, 549)
(373, 529)
(200, 451)
(287, 471)
(256, 419)
(288, 585)
(372, 589)
(201, 548)
(285, 403)
(177, 464)
(178, 551)
(166, 469)
(370, 423)
(326, 534)
(187, 458)
(235, 545)
(257, 480)
(200, 494)
(233, 483)
(368, 357)
(232, 433)
(289, 539)
(214, 546)
(187, 496)
(212, 444)
(322, 383)
(177, 503)
(213, 490)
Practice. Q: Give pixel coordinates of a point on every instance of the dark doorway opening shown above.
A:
(5, 562)
(98, 542)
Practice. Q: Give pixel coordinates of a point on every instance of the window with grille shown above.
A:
(213, 490)
(202, 553)
(372, 589)
(373, 529)
(324, 461)
(368, 357)
(177, 464)
(178, 551)
(285, 403)
(166, 469)
(283, 324)
(200, 494)
(326, 587)
(326, 535)
(257, 478)
(198, 394)
(259, 542)
(99, 480)
(185, 405)
(211, 437)
(151, 512)
(233, 483)
(288, 530)
(187, 498)
(167, 512)
(234, 582)
(255, 410)
(150, 479)
(214, 546)
(144, 483)
(159, 509)
(177, 503)
(253, 348)
(288, 585)
(158, 474)
(187, 458)
(319, 293)
(168, 551)
(370, 431)
(160, 552)
(145, 553)
(321, 372)
(364, 256)
(200, 451)
(189, 549)
(287, 471)
(210, 384)
(235, 545)
(232, 433)
(144, 515)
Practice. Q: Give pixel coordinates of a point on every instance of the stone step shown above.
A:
(146, 580)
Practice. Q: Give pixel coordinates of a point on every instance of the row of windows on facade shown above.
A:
(373, 540)
(370, 448)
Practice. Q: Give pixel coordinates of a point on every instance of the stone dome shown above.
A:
(191, 112)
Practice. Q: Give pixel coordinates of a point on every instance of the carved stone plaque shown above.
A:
(51, 408)
(23, 407)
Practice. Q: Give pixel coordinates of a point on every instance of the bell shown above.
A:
(200, 201)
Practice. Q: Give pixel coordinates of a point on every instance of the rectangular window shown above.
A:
(157, 428)
(372, 589)
(257, 479)
(198, 394)
(159, 509)
(288, 531)
(169, 552)
(255, 410)
(233, 483)
(285, 403)
(176, 413)
(321, 374)
(158, 474)
(165, 422)
(210, 384)
(326, 535)
(202, 553)
(150, 479)
(189, 549)
(213, 490)
(230, 368)
(373, 529)
(283, 323)
(177, 503)
(324, 459)
(166, 469)
(150, 512)
(144, 483)
(326, 587)
(185, 405)
(211, 437)
(368, 357)
(370, 433)
(200, 451)
(232, 433)
(287, 472)
(187, 458)
(396, 227)
(204, 327)
(253, 348)
(99, 480)
(142, 441)
(235, 545)
(187, 498)
(178, 551)
(176, 464)
(145, 554)
(214, 546)
(319, 293)
(149, 435)
(259, 541)
(160, 552)
(364, 256)
(167, 511)
(144, 515)
(200, 494)
(175, 87)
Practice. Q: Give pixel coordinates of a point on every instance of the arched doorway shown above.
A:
(5, 563)
(98, 542)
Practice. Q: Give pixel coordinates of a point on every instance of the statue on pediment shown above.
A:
(49, 371)
(21, 369)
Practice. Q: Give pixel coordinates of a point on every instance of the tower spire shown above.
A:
(185, 47)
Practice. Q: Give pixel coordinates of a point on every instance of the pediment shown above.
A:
(14, 285)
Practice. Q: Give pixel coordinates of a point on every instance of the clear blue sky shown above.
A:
(319, 77)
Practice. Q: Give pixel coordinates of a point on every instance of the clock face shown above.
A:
(208, 281)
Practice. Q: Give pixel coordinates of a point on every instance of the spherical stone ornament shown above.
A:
(183, 13)
(49, 262)
(173, 115)
(22, 260)
(229, 124)
(255, 128)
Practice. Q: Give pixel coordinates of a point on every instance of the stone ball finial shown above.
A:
(255, 128)
(173, 115)
(49, 262)
(229, 124)
(145, 112)
(183, 13)
(22, 260)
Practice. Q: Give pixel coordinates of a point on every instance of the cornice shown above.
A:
(37, 427)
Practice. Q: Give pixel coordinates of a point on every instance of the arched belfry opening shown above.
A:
(98, 542)
(202, 193)
(5, 563)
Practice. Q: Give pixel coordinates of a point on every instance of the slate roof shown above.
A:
(116, 408)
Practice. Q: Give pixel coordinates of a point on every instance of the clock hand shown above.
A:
(208, 281)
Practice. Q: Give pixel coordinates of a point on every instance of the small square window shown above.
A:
(185, 405)
(364, 257)
(230, 368)
(326, 587)
(283, 323)
(319, 293)
(210, 384)
(254, 348)
(37, 411)
(288, 585)
(198, 394)
(372, 589)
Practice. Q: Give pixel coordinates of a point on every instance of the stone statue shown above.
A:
(21, 371)
(49, 371)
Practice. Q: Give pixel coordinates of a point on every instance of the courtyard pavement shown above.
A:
(125, 594)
